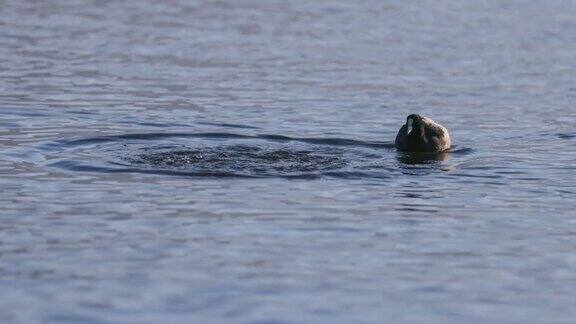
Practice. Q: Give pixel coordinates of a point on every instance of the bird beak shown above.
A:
(409, 126)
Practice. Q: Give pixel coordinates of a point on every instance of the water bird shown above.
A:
(422, 134)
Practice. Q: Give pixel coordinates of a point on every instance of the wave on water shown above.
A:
(566, 135)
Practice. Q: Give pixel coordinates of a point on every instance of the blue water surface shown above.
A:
(233, 161)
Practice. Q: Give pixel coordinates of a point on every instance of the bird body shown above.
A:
(422, 134)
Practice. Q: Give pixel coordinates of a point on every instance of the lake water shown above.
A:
(233, 161)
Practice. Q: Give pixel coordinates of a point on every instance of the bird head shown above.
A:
(413, 122)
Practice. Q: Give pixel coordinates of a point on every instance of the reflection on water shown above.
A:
(422, 158)
(216, 161)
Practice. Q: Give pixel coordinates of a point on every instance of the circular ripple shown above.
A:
(234, 155)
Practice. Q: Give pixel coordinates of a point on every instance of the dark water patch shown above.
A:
(566, 135)
(81, 112)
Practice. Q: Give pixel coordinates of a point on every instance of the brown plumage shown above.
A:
(422, 134)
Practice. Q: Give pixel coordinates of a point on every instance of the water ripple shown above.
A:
(222, 154)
